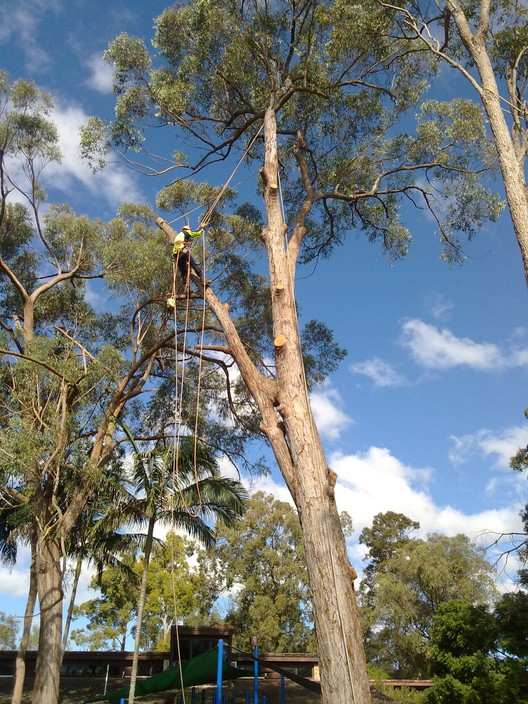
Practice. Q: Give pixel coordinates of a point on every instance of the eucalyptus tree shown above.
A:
(182, 487)
(93, 542)
(407, 590)
(109, 617)
(8, 631)
(313, 92)
(476, 658)
(261, 563)
(487, 44)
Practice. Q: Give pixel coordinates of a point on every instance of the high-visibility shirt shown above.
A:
(182, 238)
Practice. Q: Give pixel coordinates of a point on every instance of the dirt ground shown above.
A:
(78, 690)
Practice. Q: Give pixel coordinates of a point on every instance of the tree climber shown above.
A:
(182, 253)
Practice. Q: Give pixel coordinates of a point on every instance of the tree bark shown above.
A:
(20, 666)
(69, 616)
(511, 164)
(288, 423)
(340, 645)
(49, 580)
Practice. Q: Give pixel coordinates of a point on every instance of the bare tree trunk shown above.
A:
(511, 163)
(141, 608)
(49, 580)
(20, 667)
(339, 640)
(69, 616)
(288, 423)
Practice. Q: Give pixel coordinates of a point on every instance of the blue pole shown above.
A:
(247, 697)
(283, 690)
(255, 676)
(218, 697)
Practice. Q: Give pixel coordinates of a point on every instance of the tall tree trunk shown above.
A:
(141, 608)
(49, 657)
(288, 423)
(69, 616)
(20, 666)
(339, 639)
(510, 162)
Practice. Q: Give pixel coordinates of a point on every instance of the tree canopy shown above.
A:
(405, 588)
(261, 562)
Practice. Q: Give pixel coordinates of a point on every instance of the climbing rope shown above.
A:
(215, 202)
(180, 380)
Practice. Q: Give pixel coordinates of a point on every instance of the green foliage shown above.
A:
(339, 81)
(175, 591)
(511, 615)
(9, 627)
(519, 463)
(469, 667)
(24, 124)
(261, 561)
(321, 353)
(403, 695)
(406, 581)
(109, 616)
(508, 49)
(389, 532)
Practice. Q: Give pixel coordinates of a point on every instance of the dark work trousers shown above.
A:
(185, 258)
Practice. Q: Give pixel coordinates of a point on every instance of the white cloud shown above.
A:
(20, 20)
(500, 446)
(14, 582)
(380, 372)
(114, 184)
(441, 349)
(269, 486)
(100, 74)
(437, 306)
(375, 481)
(329, 417)
(227, 469)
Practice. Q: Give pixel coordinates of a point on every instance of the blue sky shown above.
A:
(426, 409)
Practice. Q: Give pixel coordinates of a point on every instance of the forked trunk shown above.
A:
(288, 424)
(511, 162)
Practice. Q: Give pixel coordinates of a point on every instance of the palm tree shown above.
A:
(15, 528)
(96, 542)
(184, 490)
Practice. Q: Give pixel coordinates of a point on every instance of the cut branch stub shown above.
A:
(167, 229)
(279, 341)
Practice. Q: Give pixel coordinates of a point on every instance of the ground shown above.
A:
(77, 690)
